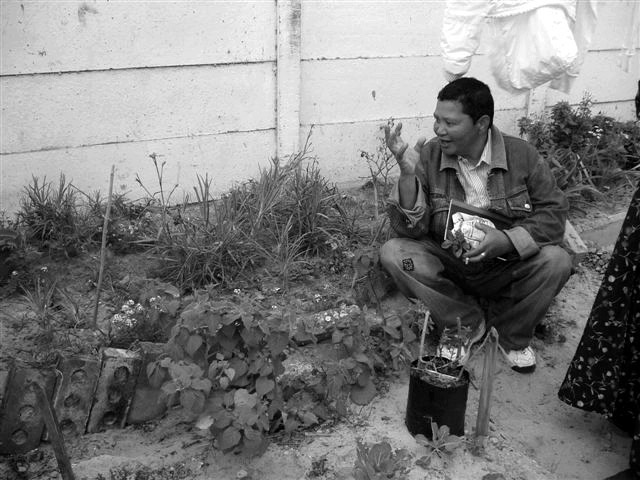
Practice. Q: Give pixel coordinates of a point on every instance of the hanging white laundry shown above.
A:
(632, 37)
(532, 42)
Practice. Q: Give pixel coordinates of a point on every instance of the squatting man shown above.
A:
(510, 277)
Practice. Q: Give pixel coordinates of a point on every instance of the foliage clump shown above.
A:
(277, 221)
(590, 155)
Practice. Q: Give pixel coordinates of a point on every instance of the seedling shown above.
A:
(441, 442)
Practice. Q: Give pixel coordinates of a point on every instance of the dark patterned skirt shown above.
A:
(604, 375)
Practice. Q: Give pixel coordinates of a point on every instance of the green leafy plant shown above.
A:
(381, 164)
(457, 242)
(223, 362)
(379, 461)
(40, 298)
(50, 215)
(437, 368)
(590, 155)
(440, 443)
(275, 223)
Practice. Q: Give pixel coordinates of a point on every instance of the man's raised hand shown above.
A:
(406, 157)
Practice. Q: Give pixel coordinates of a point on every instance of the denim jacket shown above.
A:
(520, 185)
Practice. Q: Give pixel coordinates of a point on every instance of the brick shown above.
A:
(574, 244)
(148, 402)
(114, 391)
(21, 423)
(74, 393)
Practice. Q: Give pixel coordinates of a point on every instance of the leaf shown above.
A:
(213, 322)
(336, 336)
(277, 342)
(193, 344)
(242, 398)
(192, 400)
(239, 366)
(393, 332)
(264, 385)
(172, 307)
(157, 376)
(363, 395)
(291, 425)
(169, 388)
(379, 454)
(204, 422)
(362, 358)
(202, 384)
(309, 419)
(230, 317)
(251, 337)
(182, 336)
(363, 378)
(228, 344)
(424, 462)
(255, 445)
(229, 438)
(192, 316)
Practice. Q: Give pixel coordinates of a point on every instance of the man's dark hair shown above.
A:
(474, 95)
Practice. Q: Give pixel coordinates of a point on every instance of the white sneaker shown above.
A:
(522, 361)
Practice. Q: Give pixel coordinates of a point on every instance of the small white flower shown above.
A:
(14, 273)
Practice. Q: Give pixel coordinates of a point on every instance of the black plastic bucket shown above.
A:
(435, 402)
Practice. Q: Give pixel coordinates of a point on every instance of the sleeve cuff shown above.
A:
(523, 242)
(412, 215)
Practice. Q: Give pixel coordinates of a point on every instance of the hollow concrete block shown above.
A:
(148, 402)
(115, 389)
(21, 422)
(74, 393)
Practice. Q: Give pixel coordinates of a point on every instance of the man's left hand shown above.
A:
(495, 243)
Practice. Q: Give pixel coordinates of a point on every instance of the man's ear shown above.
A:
(483, 123)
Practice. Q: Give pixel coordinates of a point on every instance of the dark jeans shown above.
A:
(515, 294)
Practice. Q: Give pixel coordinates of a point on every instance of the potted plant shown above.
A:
(438, 386)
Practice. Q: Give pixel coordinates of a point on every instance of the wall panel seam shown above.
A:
(150, 67)
(122, 142)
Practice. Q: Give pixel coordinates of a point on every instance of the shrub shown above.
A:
(590, 155)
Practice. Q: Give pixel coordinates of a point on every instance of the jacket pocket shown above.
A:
(519, 204)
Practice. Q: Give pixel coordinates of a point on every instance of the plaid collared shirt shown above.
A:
(474, 178)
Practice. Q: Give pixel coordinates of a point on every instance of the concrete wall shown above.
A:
(221, 87)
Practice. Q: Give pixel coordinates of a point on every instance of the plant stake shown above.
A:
(488, 374)
(103, 248)
(50, 420)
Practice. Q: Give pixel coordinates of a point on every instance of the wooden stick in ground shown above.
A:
(103, 248)
(55, 435)
(488, 374)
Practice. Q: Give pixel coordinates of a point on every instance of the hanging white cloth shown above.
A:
(632, 37)
(532, 42)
